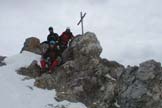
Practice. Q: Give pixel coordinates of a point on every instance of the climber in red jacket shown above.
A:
(51, 58)
(65, 38)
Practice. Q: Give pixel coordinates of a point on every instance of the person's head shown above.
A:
(52, 44)
(68, 29)
(50, 29)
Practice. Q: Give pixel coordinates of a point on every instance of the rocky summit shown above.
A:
(99, 83)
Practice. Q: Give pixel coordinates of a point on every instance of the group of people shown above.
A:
(51, 58)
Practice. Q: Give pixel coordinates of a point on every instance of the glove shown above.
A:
(58, 47)
(57, 41)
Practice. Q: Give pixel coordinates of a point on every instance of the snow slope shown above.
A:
(18, 93)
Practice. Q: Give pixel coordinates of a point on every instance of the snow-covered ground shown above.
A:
(18, 93)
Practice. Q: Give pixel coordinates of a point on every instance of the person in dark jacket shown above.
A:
(65, 38)
(52, 36)
(51, 58)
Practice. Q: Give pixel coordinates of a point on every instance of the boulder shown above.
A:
(2, 58)
(1, 61)
(32, 71)
(141, 87)
(46, 81)
(32, 44)
(87, 45)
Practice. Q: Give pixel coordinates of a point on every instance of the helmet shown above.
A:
(50, 28)
(68, 29)
(52, 42)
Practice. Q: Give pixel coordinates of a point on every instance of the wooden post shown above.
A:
(81, 22)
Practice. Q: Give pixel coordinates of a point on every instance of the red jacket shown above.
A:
(65, 37)
(52, 53)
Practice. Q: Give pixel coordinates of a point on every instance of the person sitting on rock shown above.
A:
(51, 58)
(65, 38)
(52, 36)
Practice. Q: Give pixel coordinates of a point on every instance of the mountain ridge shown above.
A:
(98, 82)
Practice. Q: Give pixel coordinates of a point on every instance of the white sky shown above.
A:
(129, 30)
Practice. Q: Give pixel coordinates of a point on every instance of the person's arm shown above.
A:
(72, 36)
(56, 37)
(45, 55)
(48, 38)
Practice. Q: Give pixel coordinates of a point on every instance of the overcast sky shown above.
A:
(129, 30)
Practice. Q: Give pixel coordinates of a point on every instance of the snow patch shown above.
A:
(15, 93)
(116, 104)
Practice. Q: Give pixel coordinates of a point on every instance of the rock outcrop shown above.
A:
(32, 44)
(99, 83)
(141, 87)
(31, 71)
(1, 61)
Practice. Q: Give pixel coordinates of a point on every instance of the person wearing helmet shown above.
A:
(51, 58)
(66, 36)
(52, 36)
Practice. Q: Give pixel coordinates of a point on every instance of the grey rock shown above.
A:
(45, 82)
(32, 71)
(82, 75)
(87, 45)
(140, 87)
(148, 70)
(99, 83)
(2, 58)
(2, 63)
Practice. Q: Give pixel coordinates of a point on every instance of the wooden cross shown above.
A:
(81, 21)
